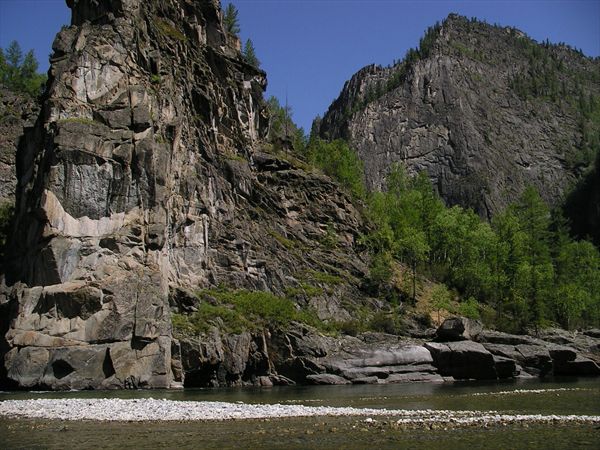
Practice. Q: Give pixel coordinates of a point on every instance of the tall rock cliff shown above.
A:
(143, 180)
(483, 109)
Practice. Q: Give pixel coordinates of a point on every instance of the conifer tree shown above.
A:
(230, 19)
(250, 54)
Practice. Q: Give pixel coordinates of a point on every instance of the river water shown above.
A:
(552, 396)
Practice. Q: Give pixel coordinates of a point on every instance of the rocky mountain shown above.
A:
(483, 109)
(144, 180)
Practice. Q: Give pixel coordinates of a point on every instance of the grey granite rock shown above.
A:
(144, 177)
(456, 114)
(463, 359)
(458, 329)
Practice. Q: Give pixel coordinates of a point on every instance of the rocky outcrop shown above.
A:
(483, 110)
(557, 352)
(300, 354)
(17, 111)
(142, 178)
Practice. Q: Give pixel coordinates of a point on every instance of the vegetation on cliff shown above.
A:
(521, 270)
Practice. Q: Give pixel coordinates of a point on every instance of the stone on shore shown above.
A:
(327, 378)
(580, 366)
(459, 329)
(463, 360)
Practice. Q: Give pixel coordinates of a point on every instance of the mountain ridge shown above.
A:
(455, 106)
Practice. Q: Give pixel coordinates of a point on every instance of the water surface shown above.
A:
(552, 396)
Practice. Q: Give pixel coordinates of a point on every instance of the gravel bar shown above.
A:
(141, 410)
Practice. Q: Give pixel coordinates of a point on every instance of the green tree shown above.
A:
(250, 54)
(523, 265)
(20, 73)
(230, 19)
(469, 308)
(283, 128)
(381, 270)
(577, 296)
(414, 249)
(536, 271)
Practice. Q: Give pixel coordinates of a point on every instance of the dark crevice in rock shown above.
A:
(61, 369)
(107, 365)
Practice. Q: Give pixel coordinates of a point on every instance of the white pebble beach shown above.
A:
(139, 410)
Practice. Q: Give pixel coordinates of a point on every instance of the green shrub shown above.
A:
(469, 308)
(263, 306)
(287, 243)
(330, 239)
(385, 322)
(236, 311)
(304, 289)
(182, 324)
(166, 29)
(339, 161)
(323, 277)
(351, 327)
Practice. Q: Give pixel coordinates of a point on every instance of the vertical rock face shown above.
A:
(143, 176)
(484, 110)
(16, 111)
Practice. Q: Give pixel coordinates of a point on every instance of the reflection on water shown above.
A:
(552, 396)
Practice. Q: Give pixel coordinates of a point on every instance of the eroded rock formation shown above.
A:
(142, 177)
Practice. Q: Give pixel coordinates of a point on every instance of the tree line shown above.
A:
(523, 268)
(524, 264)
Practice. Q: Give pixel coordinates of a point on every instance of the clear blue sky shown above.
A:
(310, 47)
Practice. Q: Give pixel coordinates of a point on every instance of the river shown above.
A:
(551, 396)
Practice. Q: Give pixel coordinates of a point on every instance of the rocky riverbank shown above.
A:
(459, 349)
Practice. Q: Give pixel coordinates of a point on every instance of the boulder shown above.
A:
(413, 377)
(594, 332)
(366, 380)
(498, 337)
(384, 372)
(535, 359)
(562, 354)
(579, 367)
(504, 350)
(326, 378)
(463, 360)
(505, 367)
(410, 354)
(459, 329)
